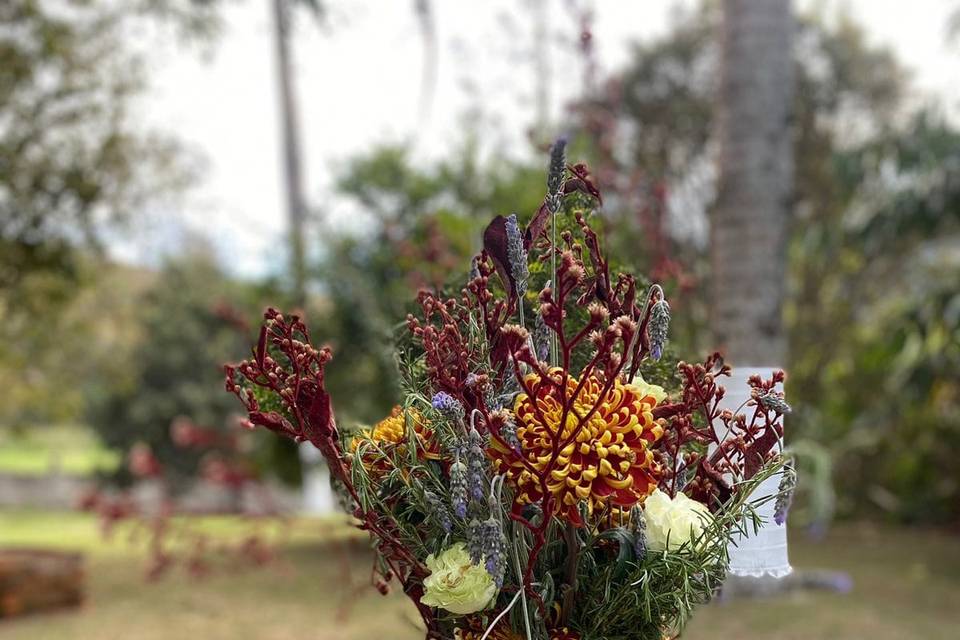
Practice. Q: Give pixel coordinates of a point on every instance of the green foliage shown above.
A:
(72, 160)
(174, 369)
(69, 156)
(632, 597)
(426, 223)
(886, 380)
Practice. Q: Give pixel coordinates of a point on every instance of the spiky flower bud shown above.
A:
(556, 174)
(438, 510)
(541, 337)
(659, 327)
(475, 541)
(638, 527)
(458, 488)
(509, 434)
(788, 484)
(516, 255)
(447, 405)
(775, 402)
(476, 465)
(487, 544)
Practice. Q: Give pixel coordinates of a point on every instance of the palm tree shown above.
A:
(748, 226)
(292, 161)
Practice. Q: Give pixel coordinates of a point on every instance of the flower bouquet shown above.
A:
(533, 484)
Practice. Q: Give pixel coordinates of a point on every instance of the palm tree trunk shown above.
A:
(748, 227)
(292, 164)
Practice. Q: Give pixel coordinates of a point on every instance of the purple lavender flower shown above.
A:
(788, 484)
(516, 255)
(659, 327)
(556, 174)
(475, 541)
(474, 269)
(458, 488)
(438, 510)
(447, 405)
(476, 465)
(541, 337)
(487, 544)
(509, 434)
(638, 527)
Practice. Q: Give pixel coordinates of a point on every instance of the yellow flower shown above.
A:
(391, 431)
(456, 584)
(646, 389)
(680, 519)
(608, 461)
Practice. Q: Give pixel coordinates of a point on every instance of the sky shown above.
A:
(358, 79)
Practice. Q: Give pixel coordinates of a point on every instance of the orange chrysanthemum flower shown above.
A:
(392, 432)
(608, 461)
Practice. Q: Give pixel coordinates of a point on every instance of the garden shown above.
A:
(550, 320)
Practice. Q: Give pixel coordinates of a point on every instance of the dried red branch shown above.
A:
(287, 366)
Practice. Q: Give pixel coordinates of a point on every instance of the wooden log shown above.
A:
(33, 580)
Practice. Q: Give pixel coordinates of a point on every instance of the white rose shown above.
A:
(679, 519)
(645, 389)
(456, 584)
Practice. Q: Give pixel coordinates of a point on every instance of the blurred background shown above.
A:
(170, 167)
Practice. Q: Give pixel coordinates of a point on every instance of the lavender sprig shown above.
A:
(458, 487)
(638, 527)
(659, 327)
(438, 510)
(788, 484)
(517, 256)
(448, 405)
(509, 434)
(541, 338)
(487, 544)
(775, 402)
(556, 174)
(554, 201)
(476, 465)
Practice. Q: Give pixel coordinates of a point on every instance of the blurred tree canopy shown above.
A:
(72, 160)
(189, 321)
(70, 156)
(423, 225)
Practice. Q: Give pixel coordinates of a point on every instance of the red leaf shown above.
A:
(536, 226)
(495, 244)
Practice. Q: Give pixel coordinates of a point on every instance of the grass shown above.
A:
(69, 449)
(907, 585)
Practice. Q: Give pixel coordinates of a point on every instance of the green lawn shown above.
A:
(907, 585)
(37, 451)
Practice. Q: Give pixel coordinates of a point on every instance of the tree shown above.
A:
(292, 157)
(191, 320)
(72, 160)
(71, 156)
(748, 237)
(425, 223)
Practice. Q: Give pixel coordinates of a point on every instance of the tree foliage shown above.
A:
(190, 321)
(425, 222)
